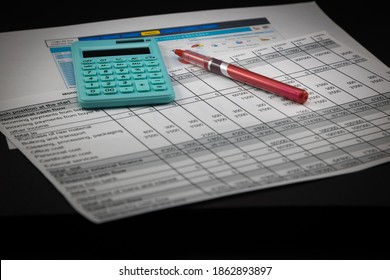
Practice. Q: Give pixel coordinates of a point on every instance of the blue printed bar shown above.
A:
(183, 29)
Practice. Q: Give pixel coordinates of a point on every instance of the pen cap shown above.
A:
(193, 57)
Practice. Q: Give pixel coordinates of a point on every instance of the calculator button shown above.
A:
(105, 72)
(155, 75)
(126, 89)
(104, 66)
(123, 77)
(108, 84)
(134, 59)
(151, 63)
(157, 81)
(137, 70)
(93, 91)
(92, 85)
(139, 76)
(153, 69)
(88, 67)
(119, 59)
(103, 60)
(89, 73)
(109, 90)
(87, 61)
(124, 83)
(150, 57)
(136, 64)
(121, 71)
(159, 87)
(120, 65)
(142, 85)
(91, 79)
(107, 78)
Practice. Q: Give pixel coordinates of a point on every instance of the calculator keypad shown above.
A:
(122, 75)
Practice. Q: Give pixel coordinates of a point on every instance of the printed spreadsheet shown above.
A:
(219, 137)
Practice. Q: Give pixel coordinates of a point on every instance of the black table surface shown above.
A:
(341, 217)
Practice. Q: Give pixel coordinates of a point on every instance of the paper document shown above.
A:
(218, 138)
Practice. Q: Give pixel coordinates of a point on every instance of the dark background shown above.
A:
(342, 217)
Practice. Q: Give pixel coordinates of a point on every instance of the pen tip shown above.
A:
(179, 52)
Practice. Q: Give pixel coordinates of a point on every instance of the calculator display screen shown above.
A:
(114, 52)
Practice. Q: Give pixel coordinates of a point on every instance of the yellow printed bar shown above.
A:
(150, 33)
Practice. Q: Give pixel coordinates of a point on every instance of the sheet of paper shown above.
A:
(218, 138)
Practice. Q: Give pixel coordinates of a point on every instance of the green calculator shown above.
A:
(126, 72)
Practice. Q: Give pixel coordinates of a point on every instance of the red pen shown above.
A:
(243, 75)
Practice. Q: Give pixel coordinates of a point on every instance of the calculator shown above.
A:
(125, 72)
